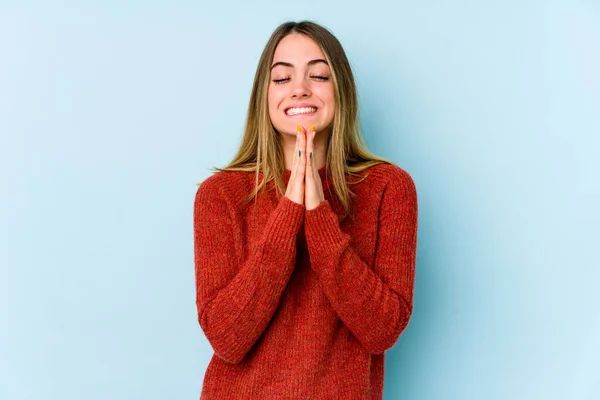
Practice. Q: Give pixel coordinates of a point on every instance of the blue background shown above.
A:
(111, 111)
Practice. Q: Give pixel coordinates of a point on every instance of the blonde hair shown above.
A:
(261, 148)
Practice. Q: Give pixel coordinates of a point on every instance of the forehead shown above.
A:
(297, 47)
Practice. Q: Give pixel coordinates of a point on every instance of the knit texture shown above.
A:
(302, 304)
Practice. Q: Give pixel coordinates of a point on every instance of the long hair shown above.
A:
(261, 149)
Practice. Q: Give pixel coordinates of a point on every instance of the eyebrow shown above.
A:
(287, 64)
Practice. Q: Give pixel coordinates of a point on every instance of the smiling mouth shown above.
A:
(300, 110)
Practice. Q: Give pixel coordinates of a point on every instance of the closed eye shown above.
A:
(318, 77)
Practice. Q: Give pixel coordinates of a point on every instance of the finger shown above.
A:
(295, 187)
(310, 150)
(295, 159)
(297, 177)
(302, 154)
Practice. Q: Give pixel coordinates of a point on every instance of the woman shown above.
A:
(296, 300)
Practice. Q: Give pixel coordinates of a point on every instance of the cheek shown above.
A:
(331, 105)
(330, 100)
(328, 95)
(271, 109)
(272, 98)
(273, 102)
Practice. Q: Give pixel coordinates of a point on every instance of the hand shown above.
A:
(295, 187)
(305, 186)
(313, 194)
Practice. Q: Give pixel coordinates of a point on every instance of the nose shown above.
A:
(300, 89)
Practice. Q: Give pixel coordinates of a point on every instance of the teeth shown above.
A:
(301, 110)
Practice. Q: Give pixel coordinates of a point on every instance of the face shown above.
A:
(301, 87)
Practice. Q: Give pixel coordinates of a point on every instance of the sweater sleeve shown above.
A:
(374, 303)
(237, 298)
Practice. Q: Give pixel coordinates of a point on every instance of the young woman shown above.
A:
(305, 244)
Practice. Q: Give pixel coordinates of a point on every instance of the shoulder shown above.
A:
(391, 177)
(224, 185)
(398, 196)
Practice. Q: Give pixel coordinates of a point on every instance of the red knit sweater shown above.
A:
(295, 303)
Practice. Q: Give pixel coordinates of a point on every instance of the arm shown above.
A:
(237, 298)
(374, 303)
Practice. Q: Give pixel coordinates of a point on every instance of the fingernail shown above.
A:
(299, 152)
(311, 154)
(297, 128)
(312, 128)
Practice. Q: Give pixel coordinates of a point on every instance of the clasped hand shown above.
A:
(305, 186)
